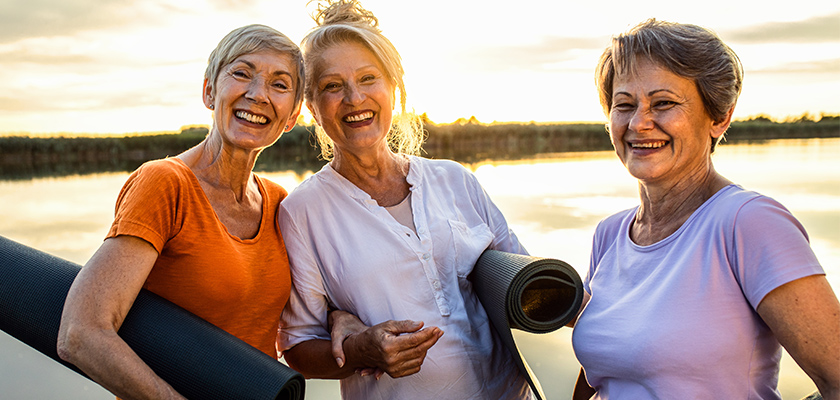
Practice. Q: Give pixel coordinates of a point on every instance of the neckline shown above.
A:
(197, 186)
(653, 246)
(359, 194)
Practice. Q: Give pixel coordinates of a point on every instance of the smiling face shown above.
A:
(352, 98)
(659, 126)
(254, 101)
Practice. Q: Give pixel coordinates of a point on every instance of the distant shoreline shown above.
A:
(24, 157)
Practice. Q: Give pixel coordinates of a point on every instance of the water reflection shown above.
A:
(552, 202)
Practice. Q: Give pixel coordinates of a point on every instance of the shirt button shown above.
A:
(427, 256)
(436, 285)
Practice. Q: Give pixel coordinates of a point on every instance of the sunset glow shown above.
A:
(85, 66)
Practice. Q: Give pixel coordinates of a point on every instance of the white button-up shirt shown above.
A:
(347, 251)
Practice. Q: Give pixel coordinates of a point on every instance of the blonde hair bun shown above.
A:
(345, 12)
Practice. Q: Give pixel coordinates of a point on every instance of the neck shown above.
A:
(382, 175)
(664, 208)
(222, 166)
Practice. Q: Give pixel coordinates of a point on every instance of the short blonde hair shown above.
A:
(345, 21)
(687, 50)
(251, 39)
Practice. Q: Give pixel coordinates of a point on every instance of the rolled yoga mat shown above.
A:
(200, 360)
(537, 295)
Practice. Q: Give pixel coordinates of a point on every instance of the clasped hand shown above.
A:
(397, 348)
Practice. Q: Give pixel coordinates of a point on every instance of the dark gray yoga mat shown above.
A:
(200, 360)
(536, 295)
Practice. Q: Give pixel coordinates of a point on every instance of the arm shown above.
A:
(96, 306)
(396, 347)
(804, 315)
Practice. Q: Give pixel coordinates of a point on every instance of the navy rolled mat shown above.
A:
(200, 360)
(536, 295)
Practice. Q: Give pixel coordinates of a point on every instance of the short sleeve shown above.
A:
(770, 248)
(305, 316)
(147, 205)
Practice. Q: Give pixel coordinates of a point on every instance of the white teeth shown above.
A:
(359, 117)
(648, 145)
(251, 117)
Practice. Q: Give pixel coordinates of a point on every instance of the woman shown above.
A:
(200, 228)
(387, 236)
(693, 291)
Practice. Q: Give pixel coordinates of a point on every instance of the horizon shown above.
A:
(460, 121)
(86, 67)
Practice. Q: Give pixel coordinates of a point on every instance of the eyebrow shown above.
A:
(651, 93)
(275, 73)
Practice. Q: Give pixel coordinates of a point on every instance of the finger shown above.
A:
(418, 339)
(397, 328)
(337, 346)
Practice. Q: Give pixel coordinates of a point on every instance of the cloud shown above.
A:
(831, 66)
(540, 55)
(813, 30)
(20, 19)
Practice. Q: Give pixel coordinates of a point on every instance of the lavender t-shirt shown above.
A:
(677, 319)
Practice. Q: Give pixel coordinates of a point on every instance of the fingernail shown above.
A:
(339, 361)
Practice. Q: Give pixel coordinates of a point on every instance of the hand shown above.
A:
(343, 324)
(396, 347)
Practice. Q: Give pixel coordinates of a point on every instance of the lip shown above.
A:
(358, 124)
(647, 146)
(254, 114)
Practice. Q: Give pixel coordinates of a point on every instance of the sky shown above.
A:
(123, 66)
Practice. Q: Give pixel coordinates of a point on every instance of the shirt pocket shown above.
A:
(468, 243)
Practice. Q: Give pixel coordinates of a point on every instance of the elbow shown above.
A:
(296, 363)
(69, 341)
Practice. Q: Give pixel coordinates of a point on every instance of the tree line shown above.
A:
(466, 140)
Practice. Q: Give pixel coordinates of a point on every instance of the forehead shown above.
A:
(267, 61)
(346, 57)
(647, 75)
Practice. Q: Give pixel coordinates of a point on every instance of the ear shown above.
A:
(313, 112)
(206, 95)
(719, 128)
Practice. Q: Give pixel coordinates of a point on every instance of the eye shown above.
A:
(281, 85)
(623, 106)
(368, 78)
(332, 86)
(664, 104)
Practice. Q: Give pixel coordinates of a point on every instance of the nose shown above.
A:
(642, 119)
(352, 94)
(257, 91)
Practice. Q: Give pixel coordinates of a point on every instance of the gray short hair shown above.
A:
(345, 21)
(687, 50)
(250, 39)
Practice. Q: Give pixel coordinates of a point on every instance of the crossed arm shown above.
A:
(397, 348)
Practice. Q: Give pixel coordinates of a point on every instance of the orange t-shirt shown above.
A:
(238, 285)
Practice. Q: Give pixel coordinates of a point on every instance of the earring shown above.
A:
(212, 107)
(287, 126)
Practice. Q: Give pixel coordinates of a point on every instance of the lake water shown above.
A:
(553, 204)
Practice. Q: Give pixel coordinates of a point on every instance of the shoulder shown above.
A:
(314, 189)
(736, 205)
(609, 227)
(442, 173)
(156, 176)
(440, 167)
(165, 169)
(274, 190)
